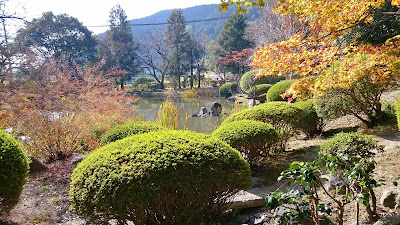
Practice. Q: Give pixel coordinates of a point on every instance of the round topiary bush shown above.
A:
(284, 117)
(310, 123)
(248, 80)
(228, 89)
(14, 168)
(164, 177)
(253, 138)
(274, 93)
(352, 144)
(128, 129)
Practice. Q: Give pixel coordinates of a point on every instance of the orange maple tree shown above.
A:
(322, 55)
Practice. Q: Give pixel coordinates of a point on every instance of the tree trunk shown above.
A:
(198, 72)
(191, 76)
(122, 83)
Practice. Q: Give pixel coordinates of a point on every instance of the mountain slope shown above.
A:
(193, 15)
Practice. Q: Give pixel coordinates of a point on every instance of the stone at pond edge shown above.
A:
(391, 199)
(245, 199)
(36, 166)
(203, 111)
(193, 115)
(231, 99)
(216, 109)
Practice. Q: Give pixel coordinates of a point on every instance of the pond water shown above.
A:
(147, 108)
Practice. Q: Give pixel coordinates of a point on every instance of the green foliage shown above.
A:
(232, 36)
(253, 138)
(362, 100)
(284, 117)
(228, 89)
(128, 129)
(310, 123)
(260, 91)
(248, 80)
(347, 157)
(167, 115)
(58, 36)
(358, 145)
(274, 93)
(397, 108)
(168, 177)
(14, 168)
(145, 83)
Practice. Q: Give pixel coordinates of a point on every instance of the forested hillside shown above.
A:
(212, 25)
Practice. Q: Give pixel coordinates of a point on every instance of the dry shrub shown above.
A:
(64, 109)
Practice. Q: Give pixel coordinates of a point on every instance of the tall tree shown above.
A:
(232, 39)
(178, 37)
(118, 49)
(58, 36)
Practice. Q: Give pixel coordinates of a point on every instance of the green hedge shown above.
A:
(144, 80)
(310, 123)
(128, 129)
(353, 144)
(228, 89)
(248, 80)
(284, 117)
(14, 168)
(253, 138)
(164, 177)
(274, 93)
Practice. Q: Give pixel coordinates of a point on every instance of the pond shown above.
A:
(147, 108)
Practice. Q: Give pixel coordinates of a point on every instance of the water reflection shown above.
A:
(147, 108)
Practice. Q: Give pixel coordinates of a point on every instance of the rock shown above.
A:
(216, 109)
(77, 159)
(245, 199)
(394, 220)
(193, 115)
(261, 219)
(280, 210)
(203, 111)
(332, 183)
(231, 99)
(252, 103)
(390, 199)
(36, 166)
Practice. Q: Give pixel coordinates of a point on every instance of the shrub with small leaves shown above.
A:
(358, 145)
(249, 80)
(311, 124)
(128, 129)
(14, 168)
(260, 91)
(163, 177)
(228, 89)
(275, 92)
(253, 138)
(284, 117)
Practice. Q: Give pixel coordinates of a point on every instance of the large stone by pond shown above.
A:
(216, 109)
(244, 200)
(203, 111)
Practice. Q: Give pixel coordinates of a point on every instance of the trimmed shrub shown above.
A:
(253, 138)
(352, 144)
(260, 89)
(143, 80)
(228, 89)
(128, 129)
(274, 93)
(248, 80)
(284, 117)
(311, 124)
(164, 177)
(14, 168)
(397, 109)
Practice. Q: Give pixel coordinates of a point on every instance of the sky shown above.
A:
(95, 12)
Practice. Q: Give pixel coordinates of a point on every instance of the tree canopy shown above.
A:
(58, 36)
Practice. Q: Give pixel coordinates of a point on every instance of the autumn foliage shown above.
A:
(65, 111)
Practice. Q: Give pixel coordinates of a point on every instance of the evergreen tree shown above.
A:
(178, 39)
(232, 39)
(118, 48)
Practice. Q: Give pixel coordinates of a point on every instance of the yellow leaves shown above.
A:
(396, 3)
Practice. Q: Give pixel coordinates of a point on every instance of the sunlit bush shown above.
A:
(163, 177)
